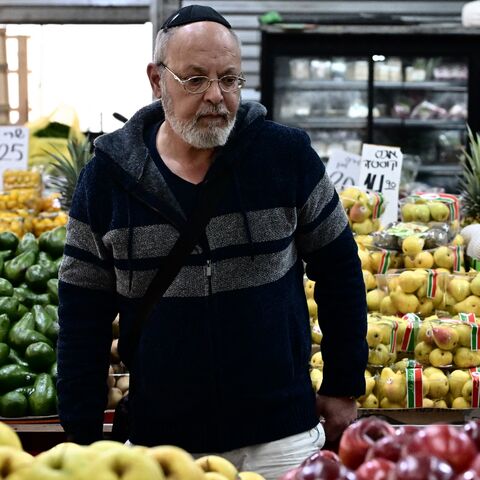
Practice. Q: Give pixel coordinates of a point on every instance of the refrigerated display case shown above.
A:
(412, 86)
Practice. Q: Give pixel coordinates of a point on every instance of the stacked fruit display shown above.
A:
(29, 322)
(371, 448)
(23, 208)
(118, 378)
(363, 208)
(107, 459)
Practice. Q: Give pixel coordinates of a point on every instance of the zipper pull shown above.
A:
(209, 268)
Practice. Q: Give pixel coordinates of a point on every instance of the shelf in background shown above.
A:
(443, 86)
(417, 123)
(326, 122)
(286, 84)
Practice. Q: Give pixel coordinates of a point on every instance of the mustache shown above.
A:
(212, 110)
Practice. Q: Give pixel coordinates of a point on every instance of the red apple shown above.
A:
(472, 428)
(389, 448)
(475, 465)
(324, 469)
(422, 466)
(406, 430)
(445, 442)
(467, 475)
(321, 453)
(359, 437)
(376, 469)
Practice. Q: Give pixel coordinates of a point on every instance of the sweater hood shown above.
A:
(127, 149)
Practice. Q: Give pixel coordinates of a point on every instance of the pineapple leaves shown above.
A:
(65, 169)
(470, 181)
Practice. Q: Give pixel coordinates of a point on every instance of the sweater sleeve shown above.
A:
(86, 311)
(327, 246)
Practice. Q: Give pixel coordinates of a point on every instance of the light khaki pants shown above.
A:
(273, 459)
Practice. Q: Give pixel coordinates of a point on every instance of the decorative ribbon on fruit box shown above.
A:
(432, 281)
(378, 202)
(457, 257)
(451, 201)
(384, 261)
(475, 374)
(471, 319)
(413, 374)
(413, 324)
(393, 337)
(475, 264)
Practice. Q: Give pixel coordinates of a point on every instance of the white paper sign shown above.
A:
(343, 168)
(13, 149)
(380, 171)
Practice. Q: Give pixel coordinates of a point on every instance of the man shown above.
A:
(223, 360)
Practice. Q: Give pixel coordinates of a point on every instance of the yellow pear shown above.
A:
(363, 228)
(458, 240)
(470, 305)
(438, 385)
(422, 353)
(387, 307)
(456, 381)
(369, 280)
(475, 285)
(461, 402)
(459, 288)
(309, 288)
(425, 307)
(378, 355)
(371, 401)
(408, 261)
(365, 260)
(467, 390)
(409, 281)
(440, 358)
(374, 334)
(464, 331)
(215, 463)
(317, 360)
(316, 377)
(404, 302)
(427, 403)
(250, 476)
(444, 257)
(386, 403)
(412, 245)
(466, 358)
(423, 259)
(395, 388)
(440, 404)
(374, 297)
(9, 437)
(312, 308)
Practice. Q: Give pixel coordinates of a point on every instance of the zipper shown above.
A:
(209, 276)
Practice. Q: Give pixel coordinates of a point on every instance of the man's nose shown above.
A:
(214, 94)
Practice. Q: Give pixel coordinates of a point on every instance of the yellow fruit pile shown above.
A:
(109, 459)
(363, 209)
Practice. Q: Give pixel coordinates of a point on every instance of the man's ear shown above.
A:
(154, 78)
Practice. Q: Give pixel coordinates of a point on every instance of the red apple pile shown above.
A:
(371, 449)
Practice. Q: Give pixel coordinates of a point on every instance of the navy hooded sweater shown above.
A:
(223, 360)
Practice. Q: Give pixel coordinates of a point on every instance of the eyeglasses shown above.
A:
(200, 84)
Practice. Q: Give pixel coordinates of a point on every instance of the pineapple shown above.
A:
(470, 181)
(66, 169)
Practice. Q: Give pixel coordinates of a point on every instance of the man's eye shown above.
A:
(229, 80)
(196, 81)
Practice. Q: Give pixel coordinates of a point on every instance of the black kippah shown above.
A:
(192, 14)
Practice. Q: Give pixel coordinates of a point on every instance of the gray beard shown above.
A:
(189, 131)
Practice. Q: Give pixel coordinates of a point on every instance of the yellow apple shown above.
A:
(363, 228)
(9, 437)
(386, 403)
(464, 331)
(215, 463)
(250, 476)
(422, 213)
(12, 459)
(408, 261)
(175, 462)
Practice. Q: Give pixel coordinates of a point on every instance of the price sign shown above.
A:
(343, 168)
(380, 171)
(13, 148)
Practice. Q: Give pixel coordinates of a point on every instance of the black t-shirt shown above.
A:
(185, 192)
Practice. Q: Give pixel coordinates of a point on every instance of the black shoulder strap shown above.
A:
(210, 194)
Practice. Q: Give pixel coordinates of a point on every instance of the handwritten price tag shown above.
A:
(343, 168)
(380, 171)
(13, 148)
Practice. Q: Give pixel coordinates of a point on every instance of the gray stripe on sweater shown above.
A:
(86, 275)
(265, 225)
(325, 232)
(80, 235)
(318, 199)
(148, 241)
(232, 274)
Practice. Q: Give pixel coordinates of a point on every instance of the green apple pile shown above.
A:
(359, 206)
(110, 460)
